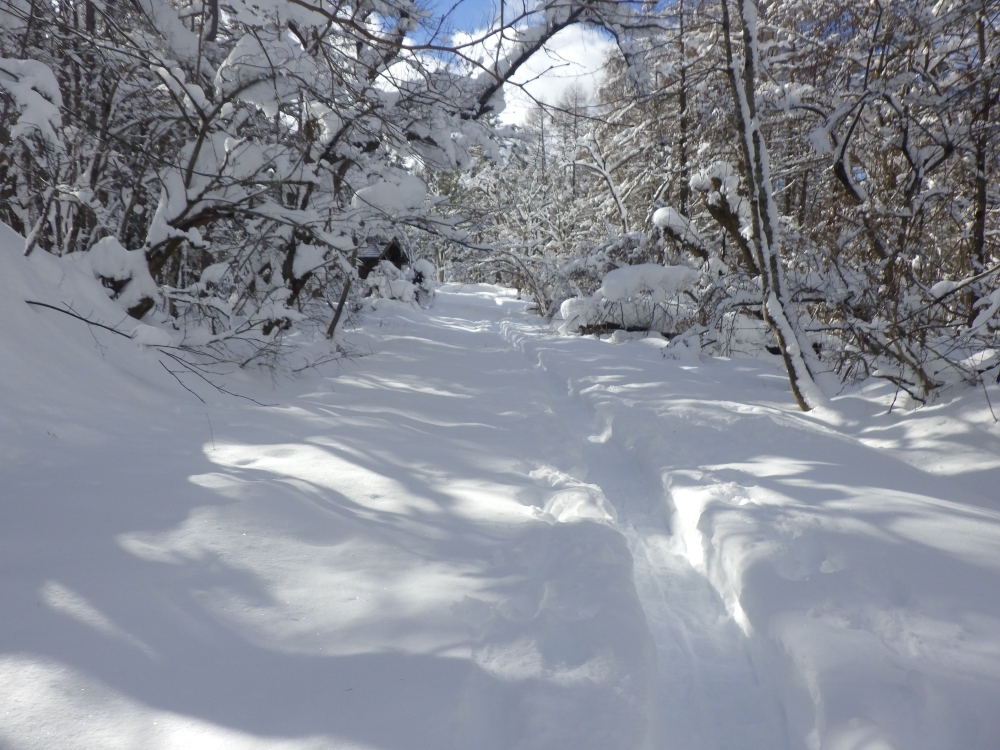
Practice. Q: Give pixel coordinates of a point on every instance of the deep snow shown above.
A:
(481, 534)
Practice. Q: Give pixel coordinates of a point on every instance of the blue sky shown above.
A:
(465, 15)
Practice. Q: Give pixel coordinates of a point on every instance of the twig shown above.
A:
(986, 393)
(958, 287)
(78, 317)
(194, 370)
(894, 396)
(210, 431)
(182, 384)
(340, 309)
(31, 241)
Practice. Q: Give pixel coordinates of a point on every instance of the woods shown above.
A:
(819, 178)
(365, 384)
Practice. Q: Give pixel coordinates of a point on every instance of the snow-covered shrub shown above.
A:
(645, 297)
(411, 283)
(123, 273)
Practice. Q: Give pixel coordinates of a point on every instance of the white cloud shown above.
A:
(574, 55)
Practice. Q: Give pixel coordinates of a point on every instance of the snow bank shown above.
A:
(659, 283)
(414, 283)
(73, 283)
(58, 372)
(573, 500)
(111, 262)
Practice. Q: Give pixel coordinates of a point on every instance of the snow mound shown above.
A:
(111, 262)
(644, 296)
(413, 283)
(58, 370)
(851, 548)
(658, 283)
(572, 500)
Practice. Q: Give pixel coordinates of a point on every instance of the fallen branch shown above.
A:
(610, 327)
(181, 382)
(78, 317)
(194, 370)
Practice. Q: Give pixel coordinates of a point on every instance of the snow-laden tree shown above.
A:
(821, 176)
(535, 218)
(830, 170)
(896, 102)
(220, 166)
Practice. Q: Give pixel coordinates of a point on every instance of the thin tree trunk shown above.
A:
(682, 106)
(213, 27)
(343, 300)
(982, 138)
(794, 347)
(340, 308)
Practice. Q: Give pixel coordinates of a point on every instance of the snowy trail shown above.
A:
(377, 564)
(483, 535)
(854, 550)
(708, 693)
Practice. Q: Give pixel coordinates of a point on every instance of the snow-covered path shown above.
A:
(485, 535)
(708, 695)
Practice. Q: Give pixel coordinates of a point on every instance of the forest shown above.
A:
(361, 388)
(815, 179)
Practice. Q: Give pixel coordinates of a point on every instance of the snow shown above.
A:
(414, 283)
(266, 70)
(630, 297)
(180, 40)
(400, 195)
(151, 336)
(481, 534)
(35, 91)
(329, 121)
(990, 306)
(819, 138)
(214, 273)
(720, 182)
(679, 225)
(943, 287)
(659, 282)
(108, 259)
(307, 258)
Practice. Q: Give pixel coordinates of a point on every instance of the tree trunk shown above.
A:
(775, 305)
